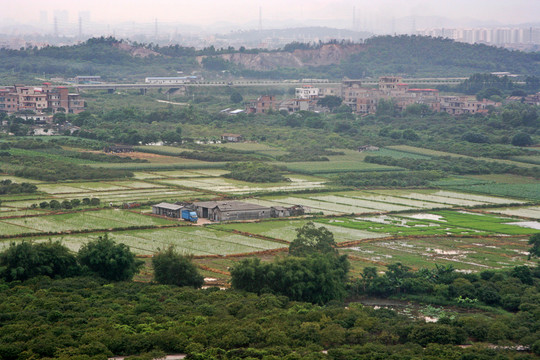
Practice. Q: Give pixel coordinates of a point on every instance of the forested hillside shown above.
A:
(406, 55)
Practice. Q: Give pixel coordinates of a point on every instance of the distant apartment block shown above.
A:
(365, 100)
(306, 92)
(511, 37)
(38, 99)
(262, 105)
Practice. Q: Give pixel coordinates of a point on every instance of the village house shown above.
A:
(458, 105)
(119, 149)
(232, 137)
(166, 209)
(365, 100)
(368, 148)
(38, 99)
(262, 105)
(238, 210)
(306, 92)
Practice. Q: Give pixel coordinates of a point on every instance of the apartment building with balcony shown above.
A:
(19, 98)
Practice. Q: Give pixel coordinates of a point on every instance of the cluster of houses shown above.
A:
(227, 210)
(39, 100)
(364, 100)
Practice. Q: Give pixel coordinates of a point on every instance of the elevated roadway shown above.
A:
(145, 86)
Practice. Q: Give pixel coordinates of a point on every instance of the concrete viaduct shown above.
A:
(143, 87)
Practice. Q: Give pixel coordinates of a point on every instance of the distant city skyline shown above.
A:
(244, 14)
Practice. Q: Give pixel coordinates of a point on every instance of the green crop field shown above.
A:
(353, 155)
(528, 192)
(88, 220)
(286, 230)
(188, 239)
(322, 167)
(222, 185)
(375, 205)
(429, 152)
(445, 197)
(444, 222)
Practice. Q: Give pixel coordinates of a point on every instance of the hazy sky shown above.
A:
(204, 12)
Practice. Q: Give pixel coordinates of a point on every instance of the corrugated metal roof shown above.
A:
(168, 206)
(230, 205)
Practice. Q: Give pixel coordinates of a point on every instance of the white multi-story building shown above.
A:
(307, 92)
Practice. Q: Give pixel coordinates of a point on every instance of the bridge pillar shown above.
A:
(110, 91)
(143, 91)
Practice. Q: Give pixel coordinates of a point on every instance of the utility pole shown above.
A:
(80, 27)
(354, 18)
(260, 18)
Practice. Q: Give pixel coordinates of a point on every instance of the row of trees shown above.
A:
(454, 165)
(103, 257)
(313, 271)
(9, 187)
(69, 204)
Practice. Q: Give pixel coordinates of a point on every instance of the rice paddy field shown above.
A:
(443, 222)
(468, 254)
(419, 227)
(87, 220)
(222, 185)
(378, 201)
(286, 230)
(187, 239)
(532, 212)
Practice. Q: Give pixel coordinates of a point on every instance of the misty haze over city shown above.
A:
(196, 24)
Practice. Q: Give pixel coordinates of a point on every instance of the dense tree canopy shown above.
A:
(310, 240)
(172, 268)
(109, 260)
(22, 261)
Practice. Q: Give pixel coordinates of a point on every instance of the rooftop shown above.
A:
(231, 205)
(168, 206)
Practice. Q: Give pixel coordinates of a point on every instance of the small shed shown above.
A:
(232, 137)
(368, 148)
(167, 209)
(119, 149)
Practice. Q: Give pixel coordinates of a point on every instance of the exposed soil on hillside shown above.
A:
(326, 55)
